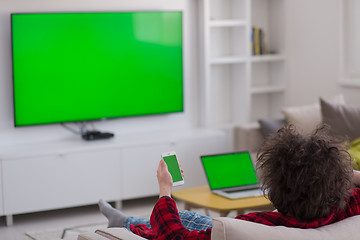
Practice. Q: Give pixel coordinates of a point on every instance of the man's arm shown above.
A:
(165, 221)
(356, 177)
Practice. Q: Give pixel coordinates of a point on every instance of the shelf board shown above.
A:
(350, 82)
(267, 58)
(227, 60)
(227, 23)
(267, 89)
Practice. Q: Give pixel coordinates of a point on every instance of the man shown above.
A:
(309, 180)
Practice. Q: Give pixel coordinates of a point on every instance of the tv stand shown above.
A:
(72, 172)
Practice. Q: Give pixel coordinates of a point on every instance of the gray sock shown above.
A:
(116, 217)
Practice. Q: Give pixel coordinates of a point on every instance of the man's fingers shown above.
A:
(163, 164)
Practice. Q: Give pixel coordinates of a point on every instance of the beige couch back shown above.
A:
(234, 229)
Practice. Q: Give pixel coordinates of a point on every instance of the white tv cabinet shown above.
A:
(44, 176)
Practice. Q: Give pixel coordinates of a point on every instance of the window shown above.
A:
(350, 42)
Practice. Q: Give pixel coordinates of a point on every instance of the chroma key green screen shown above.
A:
(86, 66)
(229, 170)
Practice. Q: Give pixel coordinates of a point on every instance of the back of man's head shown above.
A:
(306, 177)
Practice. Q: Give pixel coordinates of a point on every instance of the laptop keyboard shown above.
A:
(237, 190)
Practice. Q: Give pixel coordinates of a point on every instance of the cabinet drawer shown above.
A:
(59, 181)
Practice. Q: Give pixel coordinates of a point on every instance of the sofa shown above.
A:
(305, 118)
(233, 229)
(343, 119)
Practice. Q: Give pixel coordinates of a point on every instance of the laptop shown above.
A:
(231, 175)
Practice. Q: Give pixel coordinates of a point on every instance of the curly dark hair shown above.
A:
(305, 176)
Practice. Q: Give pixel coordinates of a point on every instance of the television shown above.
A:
(83, 66)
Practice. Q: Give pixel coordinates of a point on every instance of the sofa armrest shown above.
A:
(91, 236)
(248, 137)
(110, 233)
(234, 229)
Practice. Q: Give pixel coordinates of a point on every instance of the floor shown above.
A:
(68, 217)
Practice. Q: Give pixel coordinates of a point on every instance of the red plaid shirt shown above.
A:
(166, 224)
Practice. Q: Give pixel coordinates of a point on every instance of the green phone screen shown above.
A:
(173, 168)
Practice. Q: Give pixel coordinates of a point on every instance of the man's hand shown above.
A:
(164, 180)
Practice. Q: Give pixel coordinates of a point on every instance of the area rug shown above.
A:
(69, 233)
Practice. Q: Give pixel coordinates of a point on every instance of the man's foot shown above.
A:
(116, 217)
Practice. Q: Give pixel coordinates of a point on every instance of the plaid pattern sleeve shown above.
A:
(277, 219)
(166, 224)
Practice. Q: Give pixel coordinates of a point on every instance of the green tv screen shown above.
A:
(71, 67)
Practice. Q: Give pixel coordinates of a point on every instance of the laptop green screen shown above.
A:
(229, 170)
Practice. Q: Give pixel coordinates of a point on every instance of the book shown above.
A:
(257, 40)
(261, 49)
(252, 45)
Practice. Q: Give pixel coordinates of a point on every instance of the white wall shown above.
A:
(312, 46)
(314, 52)
(189, 118)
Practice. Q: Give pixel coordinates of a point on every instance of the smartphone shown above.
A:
(172, 163)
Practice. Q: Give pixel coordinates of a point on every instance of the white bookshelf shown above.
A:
(267, 58)
(238, 87)
(227, 23)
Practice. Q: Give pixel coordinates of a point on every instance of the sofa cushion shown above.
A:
(344, 120)
(118, 234)
(248, 137)
(234, 229)
(270, 126)
(91, 236)
(306, 118)
(110, 234)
